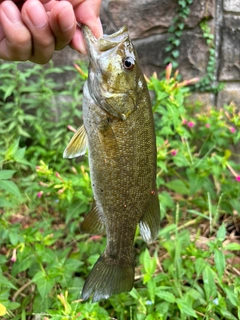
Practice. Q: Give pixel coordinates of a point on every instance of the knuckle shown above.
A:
(20, 49)
(41, 57)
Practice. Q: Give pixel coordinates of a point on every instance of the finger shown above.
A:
(15, 39)
(36, 19)
(63, 23)
(78, 42)
(87, 13)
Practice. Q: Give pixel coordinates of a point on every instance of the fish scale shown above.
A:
(119, 133)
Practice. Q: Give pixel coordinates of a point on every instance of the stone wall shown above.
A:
(148, 22)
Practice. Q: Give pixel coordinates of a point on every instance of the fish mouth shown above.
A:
(97, 46)
(117, 102)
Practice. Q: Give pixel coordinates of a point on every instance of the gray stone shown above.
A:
(231, 5)
(199, 10)
(230, 55)
(231, 93)
(194, 54)
(202, 99)
(151, 53)
(192, 60)
(148, 17)
(143, 17)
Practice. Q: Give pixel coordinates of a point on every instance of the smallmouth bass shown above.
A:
(118, 131)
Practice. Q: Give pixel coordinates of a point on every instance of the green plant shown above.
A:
(187, 273)
(175, 32)
(31, 105)
(193, 150)
(191, 282)
(207, 83)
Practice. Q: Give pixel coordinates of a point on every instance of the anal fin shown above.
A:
(77, 145)
(150, 222)
(93, 222)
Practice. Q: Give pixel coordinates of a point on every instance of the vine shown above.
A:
(206, 84)
(175, 32)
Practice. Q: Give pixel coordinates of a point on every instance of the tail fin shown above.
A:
(107, 278)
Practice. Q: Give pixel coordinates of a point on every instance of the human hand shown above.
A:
(33, 29)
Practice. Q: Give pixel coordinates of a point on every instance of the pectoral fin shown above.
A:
(93, 222)
(108, 140)
(150, 223)
(77, 145)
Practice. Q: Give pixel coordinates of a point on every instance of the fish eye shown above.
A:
(128, 63)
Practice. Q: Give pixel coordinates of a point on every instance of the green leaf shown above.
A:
(44, 283)
(169, 48)
(178, 33)
(134, 293)
(232, 246)
(13, 236)
(10, 187)
(6, 174)
(195, 181)
(170, 228)
(181, 25)
(219, 260)
(24, 263)
(221, 234)
(23, 132)
(178, 186)
(175, 53)
(232, 297)
(165, 295)
(208, 283)
(227, 315)
(5, 283)
(5, 203)
(185, 308)
(151, 285)
(72, 264)
(166, 199)
(176, 42)
(12, 305)
(9, 91)
(200, 264)
(149, 263)
(12, 149)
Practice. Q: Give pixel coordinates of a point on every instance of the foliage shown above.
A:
(175, 32)
(207, 83)
(187, 273)
(194, 149)
(36, 109)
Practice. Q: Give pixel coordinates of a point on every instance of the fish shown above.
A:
(118, 132)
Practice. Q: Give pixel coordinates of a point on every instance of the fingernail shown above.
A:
(37, 14)
(66, 19)
(80, 47)
(78, 42)
(10, 11)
